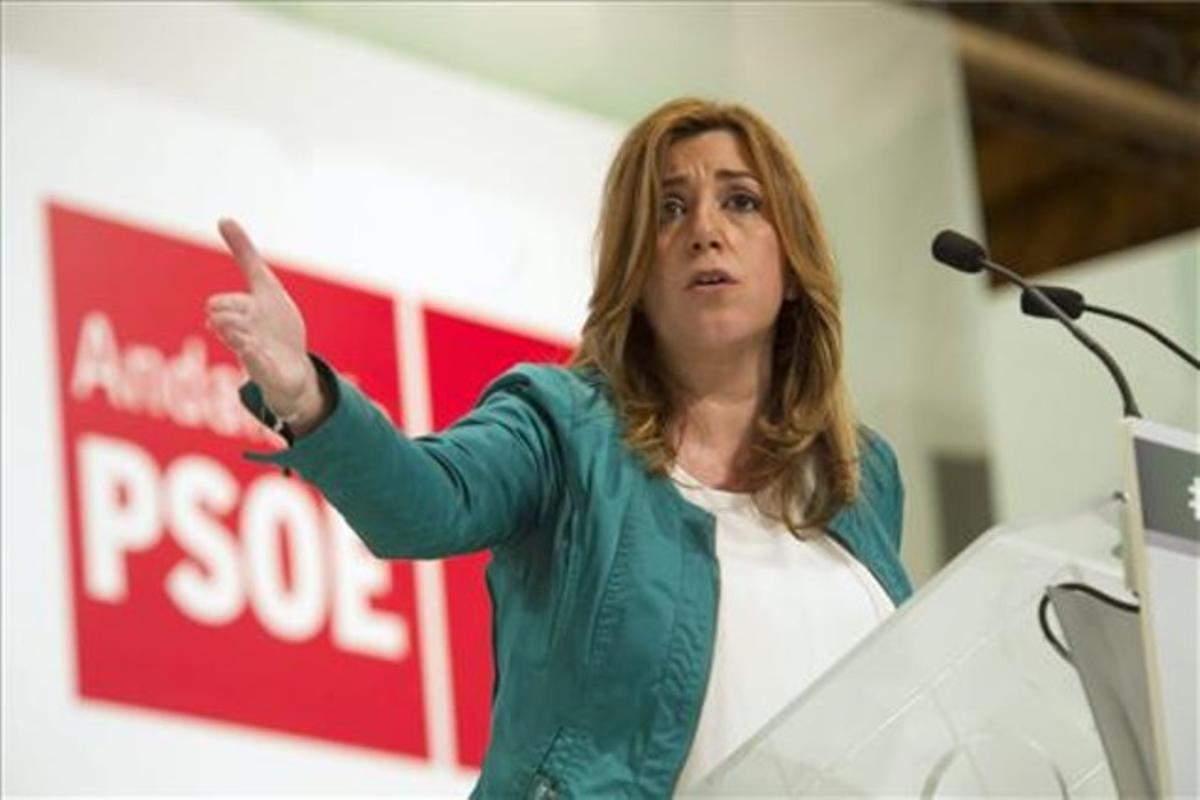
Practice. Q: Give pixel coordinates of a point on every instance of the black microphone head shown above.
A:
(958, 251)
(1069, 300)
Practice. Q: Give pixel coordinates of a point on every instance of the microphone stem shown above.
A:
(1179, 351)
(1131, 409)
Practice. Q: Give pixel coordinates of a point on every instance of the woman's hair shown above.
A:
(806, 422)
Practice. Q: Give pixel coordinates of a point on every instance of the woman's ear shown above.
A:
(791, 286)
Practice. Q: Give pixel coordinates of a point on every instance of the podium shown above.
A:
(964, 691)
(959, 693)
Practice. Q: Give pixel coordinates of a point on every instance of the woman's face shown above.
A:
(717, 281)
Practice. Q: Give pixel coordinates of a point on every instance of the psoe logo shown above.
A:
(207, 585)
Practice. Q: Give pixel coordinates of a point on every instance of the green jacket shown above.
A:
(603, 579)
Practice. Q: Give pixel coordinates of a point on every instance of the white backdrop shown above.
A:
(1054, 408)
(442, 187)
(304, 155)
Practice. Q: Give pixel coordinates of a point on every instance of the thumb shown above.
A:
(254, 268)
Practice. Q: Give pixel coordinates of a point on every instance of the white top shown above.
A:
(788, 610)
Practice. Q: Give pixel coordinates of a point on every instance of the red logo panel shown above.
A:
(464, 356)
(202, 583)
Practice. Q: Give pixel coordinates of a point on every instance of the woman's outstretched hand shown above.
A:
(264, 329)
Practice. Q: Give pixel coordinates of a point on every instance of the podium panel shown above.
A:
(958, 693)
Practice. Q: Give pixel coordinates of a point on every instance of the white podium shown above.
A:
(966, 691)
(959, 693)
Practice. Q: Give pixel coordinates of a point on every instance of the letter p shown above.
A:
(119, 490)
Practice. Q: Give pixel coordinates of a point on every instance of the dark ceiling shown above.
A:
(1086, 121)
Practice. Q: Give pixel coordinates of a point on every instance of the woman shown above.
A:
(701, 443)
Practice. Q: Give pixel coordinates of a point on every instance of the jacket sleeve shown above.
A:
(493, 475)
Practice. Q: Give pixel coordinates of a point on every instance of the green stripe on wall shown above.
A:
(611, 60)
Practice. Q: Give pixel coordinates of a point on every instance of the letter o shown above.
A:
(274, 508)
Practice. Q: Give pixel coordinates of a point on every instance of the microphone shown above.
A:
(1069, 300)
(1073, 305)
(958, 251)
(966, 255)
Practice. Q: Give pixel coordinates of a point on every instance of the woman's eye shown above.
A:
(671, 208)
(744, 201)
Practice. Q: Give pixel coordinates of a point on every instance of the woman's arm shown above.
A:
(493, 475)
(489, 477)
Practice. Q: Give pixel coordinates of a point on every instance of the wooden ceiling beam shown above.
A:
(1089, 213)
(1109, 101)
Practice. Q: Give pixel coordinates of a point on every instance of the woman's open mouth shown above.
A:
(711, 280)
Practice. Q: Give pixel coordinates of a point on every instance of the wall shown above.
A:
(1054, 409)
(470, 186)
(870, 97)
(165, 139)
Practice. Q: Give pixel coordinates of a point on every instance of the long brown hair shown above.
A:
(806, 422)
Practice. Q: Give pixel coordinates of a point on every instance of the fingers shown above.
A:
(235, 340)
(253, 267)
(229, 319)
(229, 328)
(244, 346)
(229, 310)
(229, 301)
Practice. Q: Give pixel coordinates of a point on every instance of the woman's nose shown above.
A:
(705, 234)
